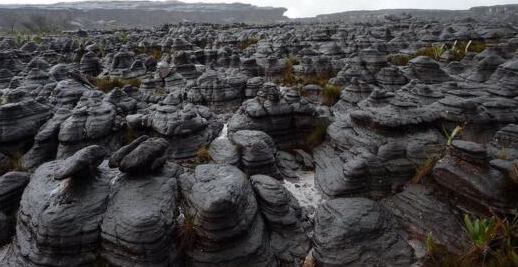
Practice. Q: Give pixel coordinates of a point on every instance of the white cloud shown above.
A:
(306, 8)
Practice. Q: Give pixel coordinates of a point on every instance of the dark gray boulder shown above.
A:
(228, 228)
(283, 217)
(138, 228)
(12, 185)
(358, 232)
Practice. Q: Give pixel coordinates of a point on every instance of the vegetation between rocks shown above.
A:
(108, 84)
(494, 243)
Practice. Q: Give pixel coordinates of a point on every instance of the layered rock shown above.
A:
(374, 149)
(427, 70)
(93, 121)
(358, 232)
(58, 221)
(228, 228)
(12, 185)
(257, 152)
(283, 217)
(219, 93)
(288, 124)
(186, 126)
(139, 231)
(465, 170)
(19, 122)
(421, 212)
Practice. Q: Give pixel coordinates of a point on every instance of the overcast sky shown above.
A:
(306, 8)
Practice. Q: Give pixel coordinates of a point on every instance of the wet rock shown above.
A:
(283, 217)
(421, 212)
(358, 232)
(465, 170)
(144, 155)
(228, 228)
(12, 185)
(139, 231)
(83, 163)
(257, 152)
(58, 222)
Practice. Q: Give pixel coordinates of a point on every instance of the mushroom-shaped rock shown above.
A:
(229, 230)
(142, 155)
(82, 163)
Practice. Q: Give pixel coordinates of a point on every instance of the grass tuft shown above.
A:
(316, 137)
(331, 95)
(203, 155)
(17, 162)
(247, 43)
(187, 230)
(494, 244)
(108, 84)
(399, 60)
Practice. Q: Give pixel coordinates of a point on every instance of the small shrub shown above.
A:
(187, 230)
(288, 77)
(247, 43)
(129, 135)
(428, 51)
(399, 60)
(494, 244)
(331, 95)
(514, 173)
(316, 137)
(425, 169)
(203, 155)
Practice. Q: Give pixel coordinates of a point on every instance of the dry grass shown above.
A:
(331, 95)
(246, 43)
(108, 84)
(425, 169)
(399, 60)
(187, 230)
(514, 173)
(316, 137)
(17, 162)
(203, 155)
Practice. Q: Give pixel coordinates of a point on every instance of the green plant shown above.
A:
(480, 231)
(17, 161)
(438, 51)
(124, 37)
(451, 136)
(331, 95)
(494, 244)
(288, 76)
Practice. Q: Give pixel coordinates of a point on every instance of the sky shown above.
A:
(309, 8)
